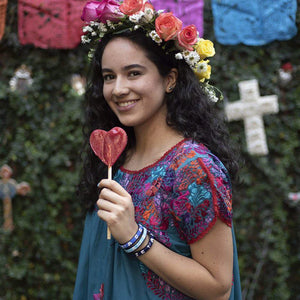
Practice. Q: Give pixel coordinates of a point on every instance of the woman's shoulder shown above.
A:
(189, 146)
(190, 152)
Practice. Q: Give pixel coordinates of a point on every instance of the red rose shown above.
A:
(130, 7)
(287, 67)
(167, 26)
(187, 37)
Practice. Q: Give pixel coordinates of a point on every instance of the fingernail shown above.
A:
(98, 185)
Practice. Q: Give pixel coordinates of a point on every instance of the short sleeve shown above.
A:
(201, 194)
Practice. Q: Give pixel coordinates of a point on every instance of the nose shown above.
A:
(120, 87)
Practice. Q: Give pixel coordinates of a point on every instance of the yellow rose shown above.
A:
(205, 48)
(203, 70)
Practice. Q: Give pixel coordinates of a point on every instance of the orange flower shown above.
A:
(130, 7)
(187, 37)
(167, 26)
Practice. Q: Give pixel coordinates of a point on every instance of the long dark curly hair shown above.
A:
(189, 111)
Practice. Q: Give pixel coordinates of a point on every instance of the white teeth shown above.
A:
(123, 104)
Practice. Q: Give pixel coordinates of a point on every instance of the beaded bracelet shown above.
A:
(134, 238)
(147, 247)
(139, 242)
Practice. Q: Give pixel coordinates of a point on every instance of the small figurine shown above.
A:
(21, 80)
(8, 189)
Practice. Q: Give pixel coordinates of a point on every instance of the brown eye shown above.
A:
(108, 77)
(134, 73)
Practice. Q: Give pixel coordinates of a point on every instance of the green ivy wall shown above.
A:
(40, 138)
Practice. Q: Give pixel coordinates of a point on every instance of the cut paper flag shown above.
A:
(50, 23)
(254, 22)
(189, 11)
(3, 5)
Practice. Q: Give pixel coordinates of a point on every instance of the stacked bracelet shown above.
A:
(138, 243)
(147, 247)
(137, 240)
(133, 239)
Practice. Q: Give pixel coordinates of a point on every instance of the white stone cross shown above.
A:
(251, 109)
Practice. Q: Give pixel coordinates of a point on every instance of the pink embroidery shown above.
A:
(100, 296)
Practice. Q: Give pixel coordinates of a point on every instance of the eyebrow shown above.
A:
(126, 68)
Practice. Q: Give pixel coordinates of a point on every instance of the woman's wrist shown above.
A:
(139, 243)
(129, 235)
(136, 241)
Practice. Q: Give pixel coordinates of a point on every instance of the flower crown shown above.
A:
(110, 16)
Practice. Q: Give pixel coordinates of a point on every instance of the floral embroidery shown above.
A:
(99, 296)
(161, 289)
(179, 199)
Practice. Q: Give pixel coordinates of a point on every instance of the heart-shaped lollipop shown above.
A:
(108, 145)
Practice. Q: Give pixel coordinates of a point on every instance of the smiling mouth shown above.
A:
(127, 103)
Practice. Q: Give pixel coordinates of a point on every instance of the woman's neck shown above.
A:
(155, 138)
(152, 143)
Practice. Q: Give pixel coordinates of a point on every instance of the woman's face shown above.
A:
(132, 85)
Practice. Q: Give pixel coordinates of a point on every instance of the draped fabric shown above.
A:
(3, 5)
(50, 23)
(189, 11)
(254, 22)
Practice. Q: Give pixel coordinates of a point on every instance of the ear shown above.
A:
(171, 80)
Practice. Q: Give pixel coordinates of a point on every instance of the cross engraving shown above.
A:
(251, 109)
(8, 189)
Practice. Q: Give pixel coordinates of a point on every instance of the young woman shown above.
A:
(168, 206)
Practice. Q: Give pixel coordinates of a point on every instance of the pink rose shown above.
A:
(101, 11)
(130, 7)
(89, 12)
(167, 26)
(187, 37)
(109, 10)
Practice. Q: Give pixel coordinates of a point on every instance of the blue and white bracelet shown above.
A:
(135, 238)
(138, 243)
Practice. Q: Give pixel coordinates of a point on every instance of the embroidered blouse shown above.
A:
(178, 199)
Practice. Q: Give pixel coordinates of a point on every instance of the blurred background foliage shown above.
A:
(40, 138)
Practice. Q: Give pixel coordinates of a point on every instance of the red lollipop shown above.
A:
(108, 146)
